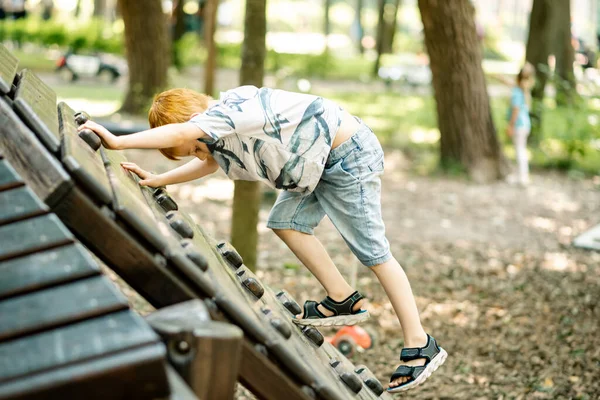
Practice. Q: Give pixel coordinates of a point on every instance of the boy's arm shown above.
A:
(195, 169)
(166, 136)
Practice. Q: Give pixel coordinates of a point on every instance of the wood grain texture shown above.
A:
(28, 157)
(35, 103)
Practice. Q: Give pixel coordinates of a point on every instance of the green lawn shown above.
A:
(34, 61)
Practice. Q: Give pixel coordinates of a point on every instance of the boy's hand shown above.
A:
(147, 179)
(109, 140)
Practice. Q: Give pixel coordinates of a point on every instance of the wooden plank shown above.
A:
(31, 235)
(119, 249)
(19, 203)
(42, 172)
(116, 356)
(70, 302)
(81, 161)
(8, 69)
(130, 205)
(35, 103)
(36, 271)
(9, 178)
(213, 372)
(265, 379)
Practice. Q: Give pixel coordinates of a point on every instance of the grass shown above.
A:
(33, 61)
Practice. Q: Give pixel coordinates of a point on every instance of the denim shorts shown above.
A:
(349, 193)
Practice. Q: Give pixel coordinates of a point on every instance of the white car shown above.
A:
(410, 69)
(414, 75)
(74, 66)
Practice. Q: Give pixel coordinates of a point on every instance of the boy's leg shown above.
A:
(293, 218)
(313, 255)
(350, 194)
(397, 287)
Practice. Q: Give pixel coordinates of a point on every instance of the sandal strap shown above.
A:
(405, 371)
(430, 350)
(311, 311)
(343, 307)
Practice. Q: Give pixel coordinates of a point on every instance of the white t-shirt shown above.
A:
(269, 135)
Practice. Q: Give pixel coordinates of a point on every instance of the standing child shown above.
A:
(519, 124)
(326, 161)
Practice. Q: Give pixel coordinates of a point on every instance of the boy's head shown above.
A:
(175, 106)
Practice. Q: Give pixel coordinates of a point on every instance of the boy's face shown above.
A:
(192, 149)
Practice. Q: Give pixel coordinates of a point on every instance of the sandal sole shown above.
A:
(431, 368)
(341, 320)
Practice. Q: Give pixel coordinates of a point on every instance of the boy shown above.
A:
(326, 161)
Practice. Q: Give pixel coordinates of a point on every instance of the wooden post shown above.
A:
(205, 353)
(210, 25)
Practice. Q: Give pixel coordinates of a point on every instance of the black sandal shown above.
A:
(342, 312)
(434, 356)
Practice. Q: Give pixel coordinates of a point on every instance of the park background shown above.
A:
(496, 277)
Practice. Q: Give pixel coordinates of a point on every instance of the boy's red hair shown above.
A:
(175, 106)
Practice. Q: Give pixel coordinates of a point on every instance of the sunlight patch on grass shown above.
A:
(419, 135)
(94, 108)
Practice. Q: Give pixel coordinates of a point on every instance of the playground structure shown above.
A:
(65, 329)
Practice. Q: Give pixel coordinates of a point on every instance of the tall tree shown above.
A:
(467, 132)
(391, 23)
(147, 42)
(549, 33)
(564, 52)
(379, 35)
(326, 23)
(179, 16)
(359, 24)
(210, 25)
(386, 29)
(99, 8)
(247, 195)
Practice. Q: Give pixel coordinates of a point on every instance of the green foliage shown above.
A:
(90, 36)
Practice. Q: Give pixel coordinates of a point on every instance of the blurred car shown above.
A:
(408, 69)
(74, 66)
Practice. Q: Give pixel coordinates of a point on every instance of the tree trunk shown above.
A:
(247, 195)
(326, 23)
(549, 33)
(99, 8)
(361, 31)
(380, 35)
(179, 29)
(391, 22)
(467, 132)
(210, 23)
(77, 10)
(564, 53)
(147, 42)
(537, 52)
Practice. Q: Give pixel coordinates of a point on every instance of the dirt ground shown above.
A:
(496, 279)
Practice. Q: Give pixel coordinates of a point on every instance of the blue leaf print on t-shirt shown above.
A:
(218, 150)
(290, 173)
(273, 122)
(261, 167)
(214, 112)
(234, 100)
(312, 123)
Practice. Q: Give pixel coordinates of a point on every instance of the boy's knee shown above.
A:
(282, 232)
